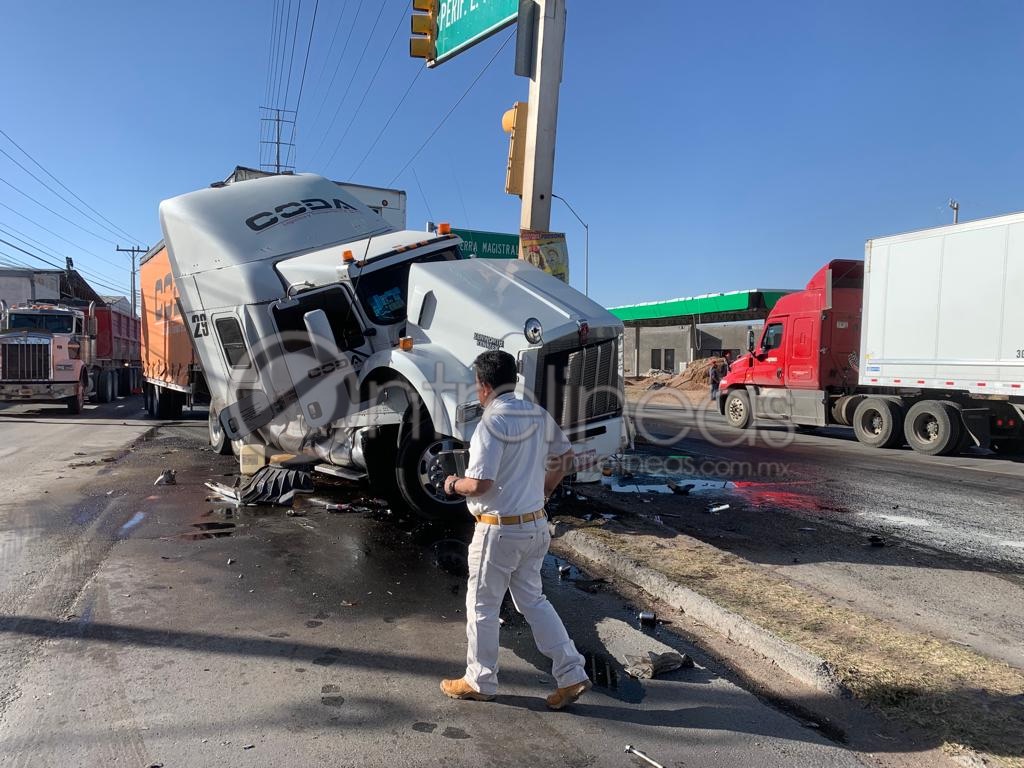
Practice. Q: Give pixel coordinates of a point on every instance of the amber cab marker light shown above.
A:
(405, 343)
(444, 228)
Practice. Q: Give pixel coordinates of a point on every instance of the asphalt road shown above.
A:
(807, 505)
(142, 624)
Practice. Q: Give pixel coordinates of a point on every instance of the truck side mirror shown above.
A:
(321, 336)
(750, 340)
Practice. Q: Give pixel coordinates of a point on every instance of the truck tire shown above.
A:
(219, 440)
(933, 427)
(149, 400)
(878, 422)
(844, 408)
(104, 387)
(76, 403)
(418, 478)
(168, 403)
(737, 409)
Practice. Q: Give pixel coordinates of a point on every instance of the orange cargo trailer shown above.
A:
(173, 377)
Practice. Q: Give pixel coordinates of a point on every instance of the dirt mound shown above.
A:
(695, 377)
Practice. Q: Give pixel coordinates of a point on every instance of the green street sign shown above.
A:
(464, 23)
(488, 245)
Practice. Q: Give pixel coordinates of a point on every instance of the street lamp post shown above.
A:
(586, 244)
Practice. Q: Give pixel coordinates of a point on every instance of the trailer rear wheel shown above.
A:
(737, 409)
(878, 422)
(933, 427)
(168, 403)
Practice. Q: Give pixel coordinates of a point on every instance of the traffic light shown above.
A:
(513, 122)
(424, 29)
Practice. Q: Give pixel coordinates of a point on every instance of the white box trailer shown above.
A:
(943, 309)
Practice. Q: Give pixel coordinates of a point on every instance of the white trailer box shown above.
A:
(943, 308)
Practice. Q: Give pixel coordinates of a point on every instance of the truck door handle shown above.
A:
(778, 373)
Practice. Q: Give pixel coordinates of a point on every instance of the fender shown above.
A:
(441, 380)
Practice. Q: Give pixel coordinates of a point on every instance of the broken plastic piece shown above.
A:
(654, 664)
(719, 508)
(166, 478)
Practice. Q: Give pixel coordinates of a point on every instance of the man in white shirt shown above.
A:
(517, 457)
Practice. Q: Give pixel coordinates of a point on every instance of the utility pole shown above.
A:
(134, 251)
(542, 115)
(956, 210)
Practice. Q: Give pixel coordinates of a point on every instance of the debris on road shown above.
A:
(680, 490)
(166, 478)
(231, 560)
(719, 508)
(654, 664)
(876, 541)
(564, 570)
(269, 485)
(647, 618)
(630, 749)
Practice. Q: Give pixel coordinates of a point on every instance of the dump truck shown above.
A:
(66, 352)
(324, 331)
(918, 344)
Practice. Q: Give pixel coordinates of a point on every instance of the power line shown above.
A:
(351, 80)
(270, 52)
(309, 44)
(283, 47)
(454, 107)
(97, 278)
(419, 71)
(334, 38)
(422, 193)
(59, 237)
(291, 60)
(65, 187)
(58, 215)
(58, 194)
(373, 78)
(337, 66)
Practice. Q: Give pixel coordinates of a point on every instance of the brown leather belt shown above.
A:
(511, 520)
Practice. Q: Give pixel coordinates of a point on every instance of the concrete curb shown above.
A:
(798, 663)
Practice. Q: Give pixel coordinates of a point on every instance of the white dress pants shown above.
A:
(508, 558)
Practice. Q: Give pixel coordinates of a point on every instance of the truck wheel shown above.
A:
(419, 476)
(737, 409)
(168, 404)
(104, 387)
(219, 440)
(149, 400)
(844, 408)
(76, 402)
(878, 422)
(933, 427)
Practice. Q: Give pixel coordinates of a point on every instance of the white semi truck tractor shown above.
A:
(324, 331)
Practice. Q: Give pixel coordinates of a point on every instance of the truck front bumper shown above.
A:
(593, 443)
(37, 391)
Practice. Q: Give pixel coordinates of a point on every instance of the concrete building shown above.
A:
(668, 335)
(23, 284)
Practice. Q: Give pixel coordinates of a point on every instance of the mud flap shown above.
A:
(978, 424)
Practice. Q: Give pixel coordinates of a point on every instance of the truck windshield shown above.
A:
(384, 293)
(39, 322)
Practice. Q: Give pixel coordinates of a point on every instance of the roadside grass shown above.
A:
(966, 700)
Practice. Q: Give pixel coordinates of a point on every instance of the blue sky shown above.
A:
(710, 146)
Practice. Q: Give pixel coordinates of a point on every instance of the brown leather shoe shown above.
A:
(563, 697)
(460, 689)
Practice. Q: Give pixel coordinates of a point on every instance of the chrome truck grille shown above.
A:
(580, 385)
(24, 361)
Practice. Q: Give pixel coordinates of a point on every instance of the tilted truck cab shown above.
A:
(324, 331)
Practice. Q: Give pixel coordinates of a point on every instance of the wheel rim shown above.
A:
(873, 422)
(216, 433)
(430, 471)
(926, 428)
(737, 409)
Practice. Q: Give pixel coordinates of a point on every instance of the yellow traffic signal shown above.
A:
(424, 29)
(513, 122)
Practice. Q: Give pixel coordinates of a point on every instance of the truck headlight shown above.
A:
(533, 331)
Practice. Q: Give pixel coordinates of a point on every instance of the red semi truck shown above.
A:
(918, 344)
